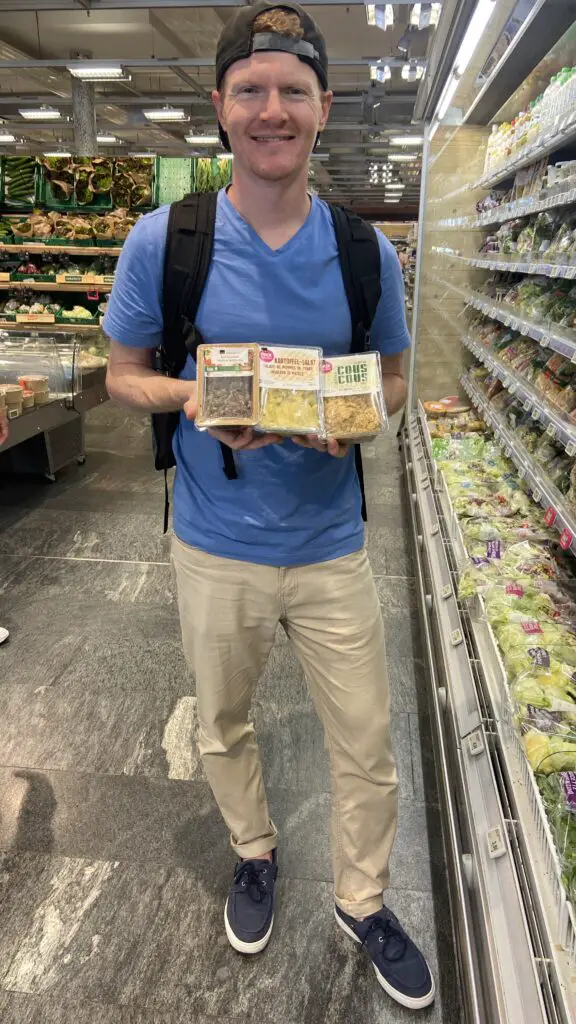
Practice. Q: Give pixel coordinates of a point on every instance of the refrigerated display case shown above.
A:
(48, 382)
(494, 343)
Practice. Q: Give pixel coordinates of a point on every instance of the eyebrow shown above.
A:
(296, 84)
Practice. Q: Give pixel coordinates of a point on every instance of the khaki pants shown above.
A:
(229, 611)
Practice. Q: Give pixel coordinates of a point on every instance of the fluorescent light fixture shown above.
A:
(103, 139)
(320, 156)
(203, 140)
(99, 72)
(165, 114)
(407, 140)
(397, 185)
(40, 114)
(147, 154)
(403, 158)
(380, 15)
(411, 72)
(380, 72)
(6, 137)
(446, 97)
(56, 152)
(478, 22)
(390, 199)
(225, 156)
(423, 15)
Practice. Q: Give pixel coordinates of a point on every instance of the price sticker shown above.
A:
(527, 405)
(550, 517)
(456, 637)
(571, 449)
(551, 430)
(496, 844)
(476, 742)
(565, 539)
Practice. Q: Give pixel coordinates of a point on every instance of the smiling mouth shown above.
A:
(272, 138)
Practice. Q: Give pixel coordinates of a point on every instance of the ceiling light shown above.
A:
(98, 72)
(225, 156)
(446, 97)
(396, 185)
(411, 72)
(203, 140)
(40, 114)
(6, 137)
(166, 114)
(407, 140)
(380, 72)
(387, 199)
(424, 15)
(478, 22)
(104, 139)
(143, 154)
(56, 152)
(380, 15)
(403, 158)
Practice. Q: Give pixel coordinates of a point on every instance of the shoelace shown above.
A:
(387, 932)
(249, 877)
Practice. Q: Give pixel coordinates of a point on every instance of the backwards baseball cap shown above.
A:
(238, 41)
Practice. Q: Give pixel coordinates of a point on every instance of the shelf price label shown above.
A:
(447, 591)
(521, 472)
(476, 742)
(551, 430)
(508, 451)
(496, 843)
(537, 495)
(551, 515)
(571, 449)
(456, 637)
(527, 405)
(535, 414)
(565, 539)
(545, 340)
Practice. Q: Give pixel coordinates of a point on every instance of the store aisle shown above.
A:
(115, 863)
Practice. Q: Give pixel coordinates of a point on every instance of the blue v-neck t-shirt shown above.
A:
(289, 505)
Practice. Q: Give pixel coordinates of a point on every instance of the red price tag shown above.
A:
(565, 539)
(550, 517)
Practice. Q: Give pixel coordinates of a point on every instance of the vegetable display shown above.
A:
(19, 180)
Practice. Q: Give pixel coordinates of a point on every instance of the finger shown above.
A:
(261, 442)
(302, 441)
(236, 439)
(336, 449)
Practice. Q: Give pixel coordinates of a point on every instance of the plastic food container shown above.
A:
(354, 407)
(290, 390)
(12, 394)
(41, 397)
(228, 392)
(28, 399)
(34, 382)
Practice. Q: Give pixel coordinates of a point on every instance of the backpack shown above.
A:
(189, 245)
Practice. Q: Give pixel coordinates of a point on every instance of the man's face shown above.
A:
(272, 108)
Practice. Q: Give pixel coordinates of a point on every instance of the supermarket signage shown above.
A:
(565, 539)
(550, 517)
(75, 278)
(35, 318)
(5, 276)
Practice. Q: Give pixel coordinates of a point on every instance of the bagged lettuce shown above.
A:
(558, 792)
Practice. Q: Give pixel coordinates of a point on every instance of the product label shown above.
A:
(290, 368)
(565, 539)
(227, 360)
(352, 375)
(494, 549)
(568, 783)
(480, 561)
(543, 720)
(531, 628)
(515, 590)
(539, 656)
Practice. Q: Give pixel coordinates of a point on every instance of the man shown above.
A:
(283, 543)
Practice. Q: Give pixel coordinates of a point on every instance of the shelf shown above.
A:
(11, 325)
(52, 286)
(564, 131)
(544, 492)
(70, 250)
(549, 335)
(508, 266)
(558, 427)
(523, 208)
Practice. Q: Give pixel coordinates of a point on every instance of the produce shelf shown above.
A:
(518, 267)
(543, 490)
(549, 335)
(48, 286)
(73, 250)
(536, 848)
(563, 131)
(51, 328)
(523, 208)
(558, 427)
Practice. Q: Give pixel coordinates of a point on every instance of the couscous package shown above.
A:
(354, 407)
(228, 385)
(290, 390)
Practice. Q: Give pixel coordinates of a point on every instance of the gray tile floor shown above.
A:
(115, 863)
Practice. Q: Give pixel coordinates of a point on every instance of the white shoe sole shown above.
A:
(248, 948)
(4, 634)
(410, 1004)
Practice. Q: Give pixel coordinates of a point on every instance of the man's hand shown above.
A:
(3, 426)
(244, 439)
(331, 447)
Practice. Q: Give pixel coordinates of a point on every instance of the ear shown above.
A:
(326, 101)
(218, 101)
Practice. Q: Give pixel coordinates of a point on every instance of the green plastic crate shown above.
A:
(174, 179)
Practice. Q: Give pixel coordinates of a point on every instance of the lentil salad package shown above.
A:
(228, 394)
(290, 390)
(354, 408)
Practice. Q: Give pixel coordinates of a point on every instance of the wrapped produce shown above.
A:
(228, 385)
(354, 407)
(290, 390)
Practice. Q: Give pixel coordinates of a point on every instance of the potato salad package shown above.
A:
(354, 408)
(290, 390)
(228, 393)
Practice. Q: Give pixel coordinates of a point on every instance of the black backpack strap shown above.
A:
(360, 263)
(187, 258)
